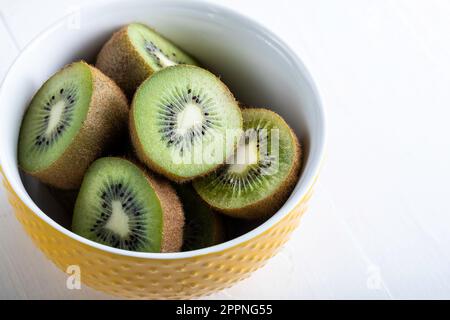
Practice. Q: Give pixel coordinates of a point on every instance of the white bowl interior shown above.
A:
(258, 68)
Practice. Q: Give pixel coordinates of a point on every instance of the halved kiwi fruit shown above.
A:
(261, 174)
(135, 52)
(203, 226)
(184, 122)
(71, 119)
(123, 206)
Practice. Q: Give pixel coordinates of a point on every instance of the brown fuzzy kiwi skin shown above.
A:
(274, 201)
(173, 214)
(106, 119)
(139, 150)
(119, 60)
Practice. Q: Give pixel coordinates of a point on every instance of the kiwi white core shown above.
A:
(190, 117)
(55, 116)
(118, 221)
(246, 155)
(166, 62)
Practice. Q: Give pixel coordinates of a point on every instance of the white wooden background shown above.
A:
(379, 223)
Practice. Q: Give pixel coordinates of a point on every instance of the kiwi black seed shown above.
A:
(135, 52)
(261, 175)
(123, 206)
(203, 226)
(184, 122)
(72, 118)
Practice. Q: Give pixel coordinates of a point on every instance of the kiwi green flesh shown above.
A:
(54, 117)
(185, 121)
(157, 51)
(238, 186)
(203, 227)
(118, 207)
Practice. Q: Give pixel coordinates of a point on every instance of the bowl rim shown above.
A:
(309, 180)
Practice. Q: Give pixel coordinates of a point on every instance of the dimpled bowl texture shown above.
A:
(259, 69)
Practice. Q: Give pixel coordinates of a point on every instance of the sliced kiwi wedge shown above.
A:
(203, 226)
(71, 119)
(123, 206)
(135, 52)
(184, 122)
(262, 172)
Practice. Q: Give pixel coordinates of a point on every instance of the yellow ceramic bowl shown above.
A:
(259, 68)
